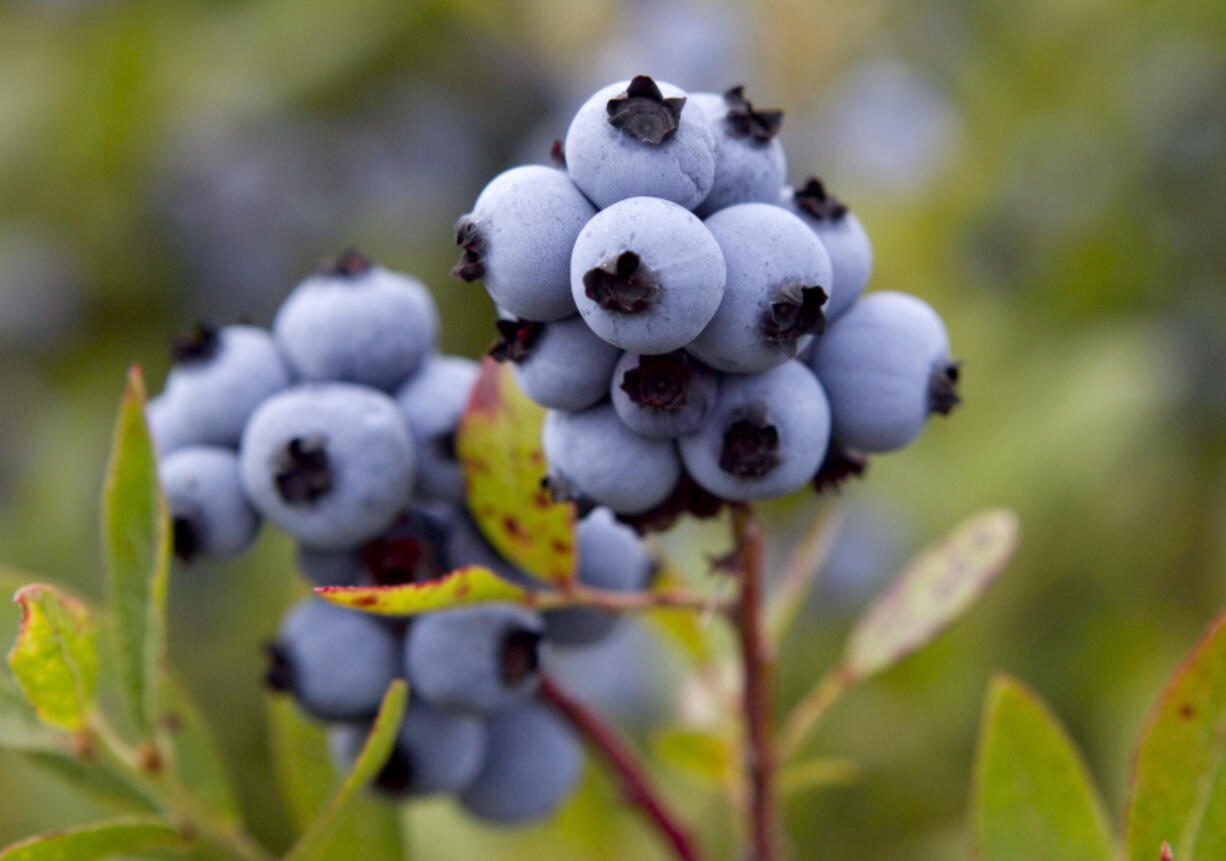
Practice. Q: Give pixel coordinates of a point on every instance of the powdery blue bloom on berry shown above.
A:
(646, 275)
(560, 365)
(766, 437)
(332, 464)
(779, 278)
(210, 514)
(663, 396)
(220, 376)
(532, 763)
(166, 425)
(885, 365)
(432, 401)
(640, 138)
(845, 240)
(518, 239)
(750, 164)
(356, 321)
(594, 457)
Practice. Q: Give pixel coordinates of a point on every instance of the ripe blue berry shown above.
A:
(646, 275)
(482, 659)
(594, 457)
(209, 512)
(628, 676)
(332, 464)
(640, 138)
(663, 396)
(885, 365)
(220, 376)
(166, 425)
(467, 546)
(766, 436)
(432, 401)
(532, 762)
(851, 253)
(779, 278)
(518, 239)
(355, 321)
(336, 662)
(749, 161)
(560, 365)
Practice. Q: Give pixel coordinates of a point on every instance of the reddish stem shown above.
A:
(622, 760)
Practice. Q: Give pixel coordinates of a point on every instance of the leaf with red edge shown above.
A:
(499, 446)
(55, 659)
(473, 585)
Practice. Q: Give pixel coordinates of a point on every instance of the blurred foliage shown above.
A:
(1051, 176)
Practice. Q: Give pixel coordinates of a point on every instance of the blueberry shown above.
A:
(885, 365)
(749, 161)
(518, 239)
(593, 456)
(646, 275)
(166, 425)
(611, 557)
(628, 677)
(640, 138)
(560, 365)
(766, 436)
(663, 396)
(355, 321)
(324, 567)
(332, 464)
(532, 763)
(220, 376)
(435, 751)
(432, 401)
(467, 546)
(412, 550)
(210, 515)
(779, 278)
(482, 659)
(336, 662)
(851, 253)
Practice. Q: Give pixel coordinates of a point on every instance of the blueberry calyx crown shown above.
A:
(623, 285)
(396, 561)
(838, 466)
(659, 382)
(812, 199)
(198, 345)
(562, 489)
(643, 113)
(743, 121)
(516, 340)
(688, 497)
(795, 310)
(301, 471)
(943, 387)
(520, 658)
(185, 537)
(471, 264)
(350, 263)
(557, 154)
(280, 673)
(750, 446)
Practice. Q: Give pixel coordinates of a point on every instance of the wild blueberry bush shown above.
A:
(680, 333)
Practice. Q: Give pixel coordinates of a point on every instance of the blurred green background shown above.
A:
(1050, 175)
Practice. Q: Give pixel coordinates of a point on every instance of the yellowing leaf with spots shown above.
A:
(54, 659)
(499, 445)
(474, 585)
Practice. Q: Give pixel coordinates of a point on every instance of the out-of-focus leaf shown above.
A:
(1033, 795)
(499, 445)
(136, 538)
(817, 774)
(93, 779)
(315, 842)
(89, 842)
(197, 758)
(1178, 789)
(701, 756)
(20, 728)
(684, 627)
(55, 660)
(473, 585)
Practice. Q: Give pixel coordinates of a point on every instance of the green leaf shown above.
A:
(705, 757)
(197, 759)
(499, 445)
(473, 585)
(1033, 795)
(93, 779)
(55, 660)
(1178, 789)
(88, 842)
(136, 538)
(315, 841)
(817, 774)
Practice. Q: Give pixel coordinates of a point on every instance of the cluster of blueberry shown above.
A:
(338, 426)
(695, 326)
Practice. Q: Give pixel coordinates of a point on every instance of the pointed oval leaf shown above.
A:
(1178, 791)
(499, 445)
(1033, 795)
(822, 773)
(104, 840)
(472, 585)
(136, 538)
(55, 660)
(935, 589)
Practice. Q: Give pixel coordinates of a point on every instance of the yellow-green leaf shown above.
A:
(55, 660)
(499, 445)
(473, 585)
(89, 842)
(136, 538)
(817, 774)
(1178, 789)
(1033, 795)
(315, 841)
(703, 756)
